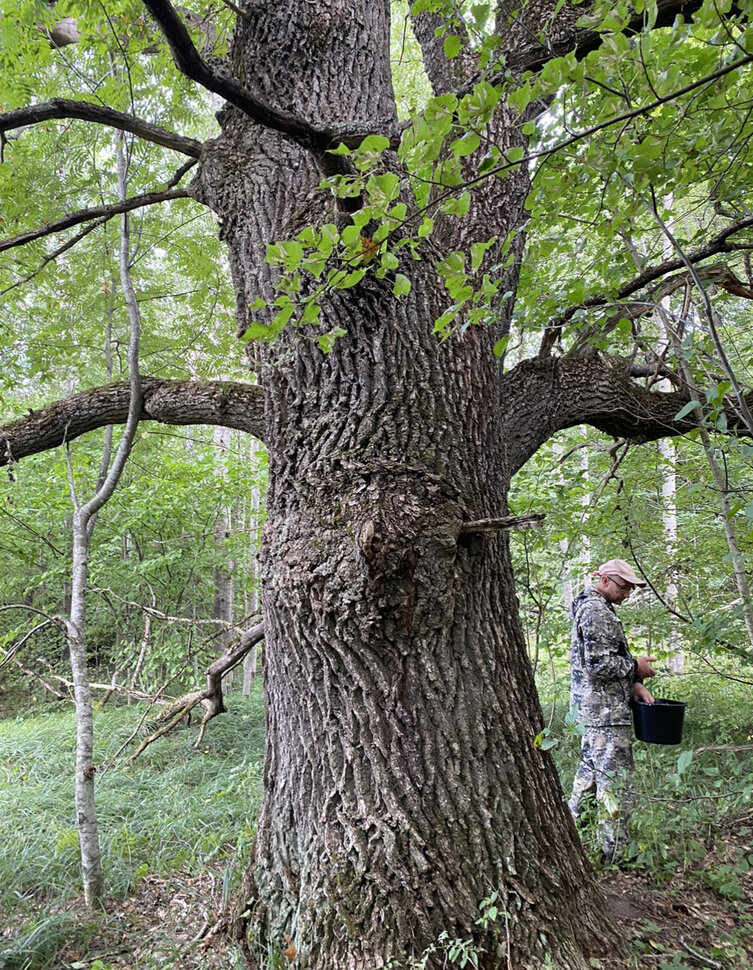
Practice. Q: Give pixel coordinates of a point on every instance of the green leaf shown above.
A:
(684, 761)
(452, 46)
(684, 411)
(457, 206)
(401, 285)
(466, 145)
(350, 279)
(384, 187)
(374, 143)
(351, 236)
(327, 340)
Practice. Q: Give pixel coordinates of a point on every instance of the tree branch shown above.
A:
(225, 403)
(505, 523)
(211, 696)
(102, 212)
(583, 40)
(719, 274)
(311, 137)
(85, 111)
(595, 390)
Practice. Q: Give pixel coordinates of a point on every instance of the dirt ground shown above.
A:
(701, 918)
(679, 923)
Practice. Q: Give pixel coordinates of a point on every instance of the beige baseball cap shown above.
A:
(618, 567)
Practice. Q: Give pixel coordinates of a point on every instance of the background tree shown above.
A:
(403, 386)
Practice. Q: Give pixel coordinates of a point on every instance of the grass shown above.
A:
(174, 809)
(174, 824)
(684, 793)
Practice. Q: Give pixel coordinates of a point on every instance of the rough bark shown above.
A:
(402, 785)
(229, 404)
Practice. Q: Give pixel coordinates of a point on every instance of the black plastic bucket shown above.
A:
(660, 722)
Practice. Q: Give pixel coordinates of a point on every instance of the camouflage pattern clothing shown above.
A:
(602, 675)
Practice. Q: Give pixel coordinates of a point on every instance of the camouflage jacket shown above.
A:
(602, 671)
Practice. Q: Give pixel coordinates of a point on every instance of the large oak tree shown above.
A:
(402, 784)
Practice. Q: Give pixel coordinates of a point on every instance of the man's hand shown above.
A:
(644, 668)
(641, 694)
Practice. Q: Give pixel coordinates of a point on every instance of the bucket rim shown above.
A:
(662, 702)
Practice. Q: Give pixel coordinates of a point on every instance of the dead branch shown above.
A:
(151, 612)
(51, 257)
(210, 697)
(505, 523)
(733, 748)
(35, 675)
(110, 688)
(16, 647)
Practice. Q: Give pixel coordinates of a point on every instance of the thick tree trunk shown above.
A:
(402, 785)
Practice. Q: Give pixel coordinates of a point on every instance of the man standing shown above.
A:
(604, 679)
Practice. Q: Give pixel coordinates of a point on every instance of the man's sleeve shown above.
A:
(602, 638)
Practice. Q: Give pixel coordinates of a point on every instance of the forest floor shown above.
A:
(178, 823)
(684, 922)
(700, 919)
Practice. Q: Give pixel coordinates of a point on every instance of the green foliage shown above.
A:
(619, 511)
(40, 942)
(154, 546)
(173, 809)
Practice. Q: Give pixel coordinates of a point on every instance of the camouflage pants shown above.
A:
(606, 769)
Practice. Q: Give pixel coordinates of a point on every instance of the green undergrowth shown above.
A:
(174, 808)
(686, 793)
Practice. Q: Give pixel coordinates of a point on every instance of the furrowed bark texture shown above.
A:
(402, 785)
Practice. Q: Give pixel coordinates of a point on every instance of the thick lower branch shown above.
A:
(224, 403)
(595, 390)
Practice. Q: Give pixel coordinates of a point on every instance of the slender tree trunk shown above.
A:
(84, 519)
(86, 813)
(669, 491)
(251, 661)
(722, 484)
(222, 575)
(669, 524)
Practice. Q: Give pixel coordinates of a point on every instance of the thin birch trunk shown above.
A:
(84, 518)
(669, 525)
(669, 492)
(585, 548)
(564, 544)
